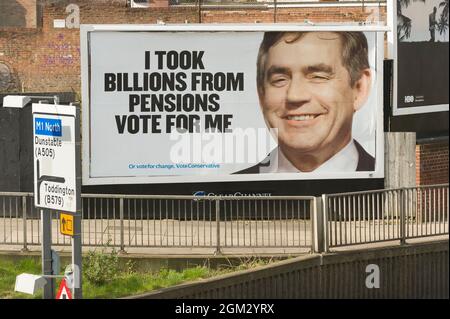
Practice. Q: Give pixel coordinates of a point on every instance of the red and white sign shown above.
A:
(64, 291)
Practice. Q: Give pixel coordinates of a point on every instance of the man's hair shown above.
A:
(354, 53)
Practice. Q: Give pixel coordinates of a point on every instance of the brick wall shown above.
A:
(314, 14)
(18, 13)
(432, 163)
(48, 59)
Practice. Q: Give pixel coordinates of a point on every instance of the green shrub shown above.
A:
(195, 273)
(100, 267)
(130, 267)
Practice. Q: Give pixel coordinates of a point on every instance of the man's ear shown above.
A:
(362, 89)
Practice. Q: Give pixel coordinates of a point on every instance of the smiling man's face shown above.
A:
(307, 94)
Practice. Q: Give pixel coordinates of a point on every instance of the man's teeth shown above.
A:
(301, 117)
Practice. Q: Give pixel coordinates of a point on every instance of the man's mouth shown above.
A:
(302, 121)
(305, 117)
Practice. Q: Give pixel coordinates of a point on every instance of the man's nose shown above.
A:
(298, 92)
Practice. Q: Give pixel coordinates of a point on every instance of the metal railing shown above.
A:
(147, 221)
(385, 215)
(201, 222)
(221, 222)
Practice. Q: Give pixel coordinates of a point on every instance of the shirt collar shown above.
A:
(346, 160)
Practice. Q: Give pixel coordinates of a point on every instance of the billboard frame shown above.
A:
(85, 31)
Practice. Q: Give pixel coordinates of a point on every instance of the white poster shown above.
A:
(191, 106)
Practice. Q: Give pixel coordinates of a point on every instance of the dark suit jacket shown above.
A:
(365, 162)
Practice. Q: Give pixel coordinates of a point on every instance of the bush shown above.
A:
(100, 267)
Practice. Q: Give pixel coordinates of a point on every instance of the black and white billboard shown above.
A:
(421, 56)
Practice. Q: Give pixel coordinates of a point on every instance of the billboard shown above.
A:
(200, 103)
(420, 57)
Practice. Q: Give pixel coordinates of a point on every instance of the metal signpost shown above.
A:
(57, 182)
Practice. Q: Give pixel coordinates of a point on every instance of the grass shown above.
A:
(8, 272)
(126, 282)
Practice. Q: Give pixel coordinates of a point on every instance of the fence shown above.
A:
(385, 215)
(127, 221)
(276, 223)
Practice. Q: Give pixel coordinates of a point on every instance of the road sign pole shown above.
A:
(46, 231)
(76, 239)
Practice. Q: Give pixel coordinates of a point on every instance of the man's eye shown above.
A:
(278, 81)
(319, 77)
